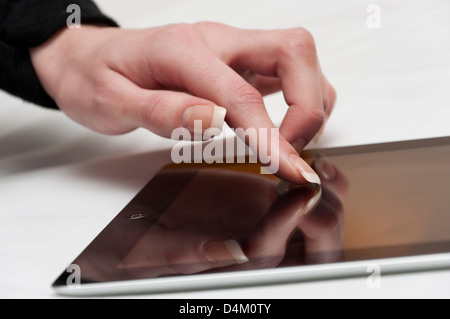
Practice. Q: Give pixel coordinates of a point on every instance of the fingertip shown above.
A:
(299, 126)
(291, 167)
(295, 170)
(332, 96)
(303, 169)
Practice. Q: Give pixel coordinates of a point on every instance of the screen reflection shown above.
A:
(190, 220)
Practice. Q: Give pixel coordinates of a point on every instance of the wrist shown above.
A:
(55, 56)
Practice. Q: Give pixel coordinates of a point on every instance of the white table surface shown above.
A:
(60, 184)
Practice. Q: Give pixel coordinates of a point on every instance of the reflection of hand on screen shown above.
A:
(226, 218)
(203, 226)
(294, 232)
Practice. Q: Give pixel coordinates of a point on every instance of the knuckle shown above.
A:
(301, 38)
(300, 42)
(208, 27)
(316, 116)
(207, 24)
(149, 115)
(101, 92)
(245, 94)
(108, 116)
(182, 33)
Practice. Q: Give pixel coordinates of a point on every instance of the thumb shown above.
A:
(163, 252)
(162, 112)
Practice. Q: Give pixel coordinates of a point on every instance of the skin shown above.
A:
(115, 80)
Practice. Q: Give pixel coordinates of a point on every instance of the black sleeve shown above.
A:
(29, 23)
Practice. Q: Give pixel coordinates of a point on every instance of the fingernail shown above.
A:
(224, 251)
(212, 119)
(304, 169)
(218, 119)
(313, 201)
(324, 168)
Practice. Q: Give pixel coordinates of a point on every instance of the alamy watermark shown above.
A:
(74, 19)
(74, 279)
(263, 141)
(374, 279)
(374, 18)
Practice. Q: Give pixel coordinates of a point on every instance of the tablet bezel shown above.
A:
(402, 264)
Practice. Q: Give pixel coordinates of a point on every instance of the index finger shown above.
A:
(216, 81)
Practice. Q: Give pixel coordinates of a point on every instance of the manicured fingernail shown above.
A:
(313, 201)
(211, 118)
(324, 168)
(224, 251)
(218, 119)
(304, 169)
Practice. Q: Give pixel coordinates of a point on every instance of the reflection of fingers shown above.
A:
(323, 230)
(269, 237)
(162, 252)
(331, 177)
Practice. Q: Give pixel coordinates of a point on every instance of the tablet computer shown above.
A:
(381, 209)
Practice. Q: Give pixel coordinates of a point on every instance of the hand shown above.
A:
(115, 80)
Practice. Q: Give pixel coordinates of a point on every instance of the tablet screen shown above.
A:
(379, 201)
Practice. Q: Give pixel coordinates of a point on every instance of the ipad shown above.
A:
(381, 209)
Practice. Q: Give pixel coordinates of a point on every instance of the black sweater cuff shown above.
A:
(29, 23)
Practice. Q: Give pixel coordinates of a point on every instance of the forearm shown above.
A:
(25, 24)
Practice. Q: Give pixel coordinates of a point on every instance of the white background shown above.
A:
(60, 184)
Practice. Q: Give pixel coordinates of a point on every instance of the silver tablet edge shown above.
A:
(264, 277)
